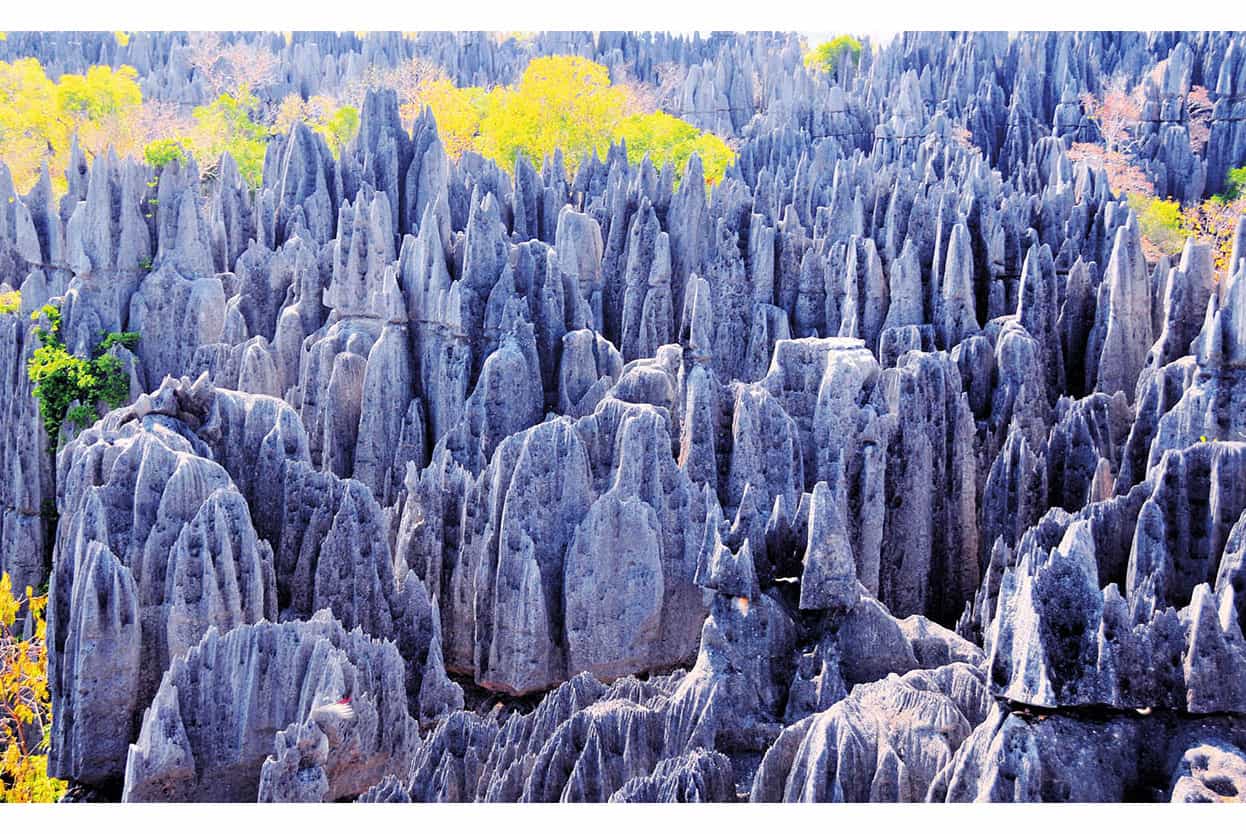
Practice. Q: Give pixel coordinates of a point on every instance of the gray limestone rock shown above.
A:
(161, 534)
(1128, 336)
(886, 742)
(242, 714)
(528, 428)
(1210, 773)
(613, 588)
(829, 580)
(698, 776)
(1016, 756)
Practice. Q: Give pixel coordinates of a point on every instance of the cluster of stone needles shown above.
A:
(889, 468)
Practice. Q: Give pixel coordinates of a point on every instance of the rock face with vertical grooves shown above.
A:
(895, 466)
(237, 706)
(147, 512)
(887, 742)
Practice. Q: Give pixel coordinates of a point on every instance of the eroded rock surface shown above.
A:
(894, 466)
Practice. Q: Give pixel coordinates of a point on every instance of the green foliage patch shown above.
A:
(339, 128)
(229, 124)
(1235, 184)
(826, 56)
(1160, 221)
(668, 139)
(69, 387)
(161, 152)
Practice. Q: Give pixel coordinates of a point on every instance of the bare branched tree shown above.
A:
(129, 133)
(670, 85)
(1116, 113)
(639, 97)
(1123, 178)
(231, 68)
(411, 80)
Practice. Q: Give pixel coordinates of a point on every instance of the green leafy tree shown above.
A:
(340, 127)
(229, 124)
(669, 139)
(161, 152)
(1160, 221)
(1235, 184)
(72, 388)
(827, 56)
(10, 302)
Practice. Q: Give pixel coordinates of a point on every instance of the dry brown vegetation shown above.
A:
(232, 68)
(1116, 113)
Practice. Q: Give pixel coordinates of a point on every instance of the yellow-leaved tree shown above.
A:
(39, 117)
(338, 125)
(668, 139)
(459, 112)
(562, 101)
(25, 703)
(102, 92)
(30, 127)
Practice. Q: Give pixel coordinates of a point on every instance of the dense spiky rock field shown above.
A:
(889, 468)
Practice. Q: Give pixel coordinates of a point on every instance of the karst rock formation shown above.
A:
(886, 469)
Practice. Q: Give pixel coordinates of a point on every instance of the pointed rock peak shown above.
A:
(1078, 547)
(711, 537)
(425, 120)
(694, 176)
(391, 307)
(733, 574)
(190, 251)
(1222, 341)
(700, 318)
(958, 318)
(1237, 252)
(1226, 598)
(379, 119)
(829, 579)
(579, 244)
(1102, 482)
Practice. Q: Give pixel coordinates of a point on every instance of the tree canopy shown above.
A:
(827, 56)
(668, 139)
(567, 102)
(561, 102)
(38, 117)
